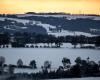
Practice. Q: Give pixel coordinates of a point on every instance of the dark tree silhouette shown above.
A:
(78, 60)
(97, 42)
(33, 64)
(66, 62)
(2, 61)
(20, 63)
(47, 65)
(74, 41)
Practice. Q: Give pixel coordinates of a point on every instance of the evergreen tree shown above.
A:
(33, 64)
(66, 62)
(20, 63)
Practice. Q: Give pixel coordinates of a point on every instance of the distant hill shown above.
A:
(60, 24)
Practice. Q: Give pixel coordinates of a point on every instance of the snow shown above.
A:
(72, 33)
(83, 33)
(69, 17)
(63, 45)
(62, 33)
(90, 78)
(18, 20)
(46, 26)
(5, 27)
(20, 70)
(26, 70)
(94, 30)
(24, 15)
(2, 19)
(54, 55)
(24, 27)
(40, 44)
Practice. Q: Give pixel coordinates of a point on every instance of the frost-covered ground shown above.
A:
(54, 55)
(91, 78)
(47, 26)
(72, 33)
(63, 45)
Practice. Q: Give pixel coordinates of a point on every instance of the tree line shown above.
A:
(81, 68)
(19, 39)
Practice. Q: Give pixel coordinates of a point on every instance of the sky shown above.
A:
(67, 6)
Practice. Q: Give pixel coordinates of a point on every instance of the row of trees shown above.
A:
(32, 64)
(81, 68)
(47, 64)
(20, 39)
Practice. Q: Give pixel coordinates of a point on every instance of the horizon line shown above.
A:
(51, 13)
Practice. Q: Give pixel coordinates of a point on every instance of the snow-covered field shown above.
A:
(47, 26)
(91, 78)
(54, 55)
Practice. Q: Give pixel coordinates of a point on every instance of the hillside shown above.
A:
(55, 24)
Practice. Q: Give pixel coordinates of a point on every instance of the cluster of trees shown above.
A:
(81, 68)
(79, 24)
(21, 39)
(8, 15)
(10, 67)
(20, 64)
(12, 26)
(4, 39)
